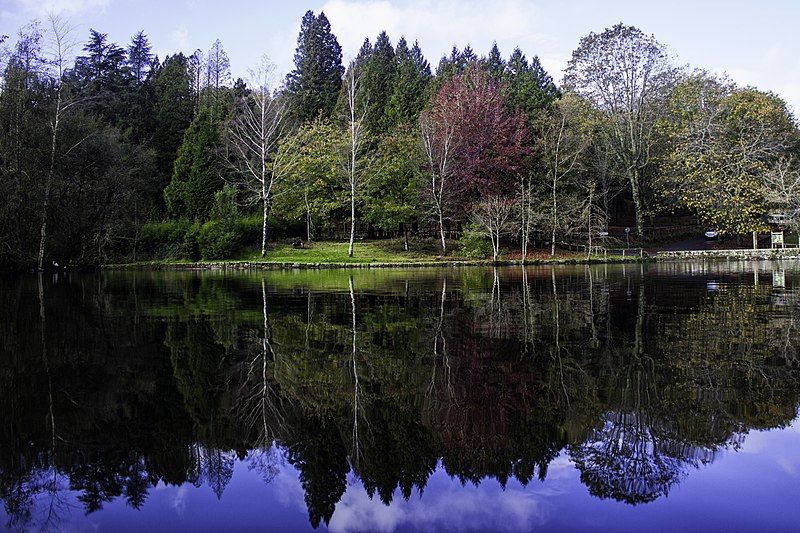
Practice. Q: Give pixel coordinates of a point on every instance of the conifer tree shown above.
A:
(494, 64)
(411, 79)
(139, 57)
(315, 82)
(173, 110)
(529, 88)
(379, 74)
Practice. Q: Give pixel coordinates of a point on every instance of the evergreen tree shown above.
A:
(450, 65)
(315, 82)
(199, 167)
(139, 57)
(468, 55)
(103, 63)
(173, 111)
(411, 79)
(379, 74)
(102, 76)
(494, 64)
(529, 88)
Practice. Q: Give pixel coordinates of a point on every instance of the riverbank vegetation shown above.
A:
(119, 155)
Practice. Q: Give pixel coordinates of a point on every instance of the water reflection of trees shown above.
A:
(491, 374)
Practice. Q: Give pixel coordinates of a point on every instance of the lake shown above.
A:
(606, 398)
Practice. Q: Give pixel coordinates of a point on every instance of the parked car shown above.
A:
(711, 235)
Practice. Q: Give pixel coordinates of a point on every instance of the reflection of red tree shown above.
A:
(487, 396)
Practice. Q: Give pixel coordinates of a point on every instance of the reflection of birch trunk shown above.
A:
(52, 485)
(309, 312)
(356, 453)
(263, 412)
(440, 348)
(557, 334)
(525, 309)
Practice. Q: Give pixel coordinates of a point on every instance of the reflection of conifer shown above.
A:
(319, 454)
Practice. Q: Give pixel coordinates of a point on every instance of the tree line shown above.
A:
(120, 155)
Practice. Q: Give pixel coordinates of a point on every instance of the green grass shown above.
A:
(381, 252)
(336, 252)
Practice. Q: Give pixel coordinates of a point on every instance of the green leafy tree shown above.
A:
(724, 141)
(394, 191)
(311, 192)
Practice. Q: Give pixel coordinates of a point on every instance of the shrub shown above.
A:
(218, 240)
(249, 229)
(162, 239)
(474, 244)
(190, 245)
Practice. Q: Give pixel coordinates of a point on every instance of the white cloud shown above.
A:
(178, 501)
(180, 38)
(452, 506)
(40, 8)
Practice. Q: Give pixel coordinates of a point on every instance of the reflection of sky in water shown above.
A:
(756, 488)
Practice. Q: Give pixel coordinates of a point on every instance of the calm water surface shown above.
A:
(606, 398)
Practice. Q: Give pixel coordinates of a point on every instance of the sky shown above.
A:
(755, 43)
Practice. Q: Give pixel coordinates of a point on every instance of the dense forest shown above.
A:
(119, 155)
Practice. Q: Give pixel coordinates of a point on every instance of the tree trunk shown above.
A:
(755, 240)
(308, 216)
(405, 237)
(637, 202)
(352, 217)
(264, 228)
(441, 232)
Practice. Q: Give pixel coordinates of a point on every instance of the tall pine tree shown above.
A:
(379, 74)
(315, 82)
(173, 109)
(411, 80)
(139, 57)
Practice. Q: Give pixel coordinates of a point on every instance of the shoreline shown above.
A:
(269, 265)
(665, 256)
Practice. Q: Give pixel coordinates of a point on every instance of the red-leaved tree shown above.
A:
(473, 144)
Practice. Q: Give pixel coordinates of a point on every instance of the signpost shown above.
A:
(777, 239)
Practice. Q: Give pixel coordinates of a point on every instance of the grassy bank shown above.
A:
(377, 254)
(336, 252)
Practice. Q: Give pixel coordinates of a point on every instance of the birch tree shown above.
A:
(258, 125)
(352, 161)
(561, 144)
(438, 139)
(494, 214)
(58, 49)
